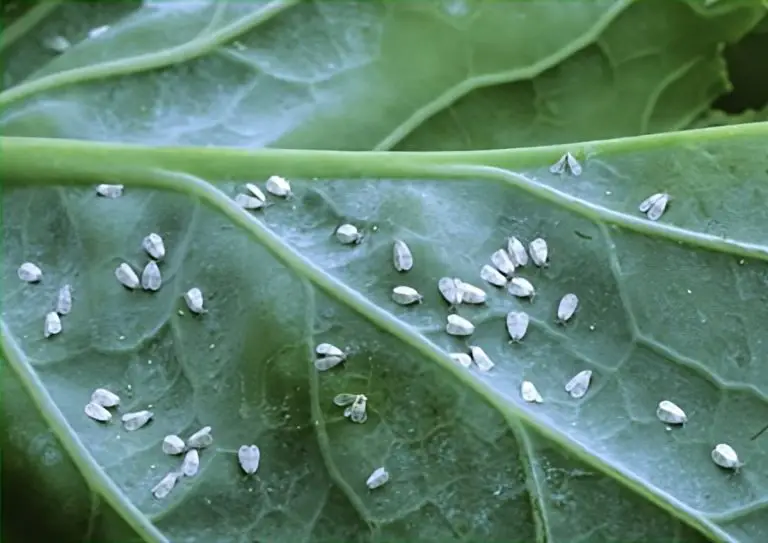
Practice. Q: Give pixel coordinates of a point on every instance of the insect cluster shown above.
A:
(501, 271)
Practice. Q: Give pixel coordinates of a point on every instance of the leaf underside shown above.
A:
(671, 310)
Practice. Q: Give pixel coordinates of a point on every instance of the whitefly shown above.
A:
(459, 326)
(578, 386)
(530, 393)
(64, 300)
(109, 191)
(126, 276)
(404, 295)
(481, 358)
(521, 288)
(470, 294)
(493, 276)
(566, 164)
(52, 324)
(279, 186)
(154, 245)
(327, 349)
(462, 359)
(378, 478)
(151, 279)
(248, 202)
(502, 262)
(105, 397)
(249, 457)
(670, 413)
(402, 258)
(658, 208)
(191, 463)
(194, 299)
(517, 325)
(255, 191)
(450, 290)
(200, 439)
(30, 273)
(348, 234)
(517, 252)
(173, 445)
(724, 456)
(357, 411)
(567, 307)
(166, 484)
(539, 252)
(136, 420)
(97, 412)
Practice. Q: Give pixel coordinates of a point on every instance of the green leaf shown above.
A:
(469, 461)
(232, 73)
(678, 309)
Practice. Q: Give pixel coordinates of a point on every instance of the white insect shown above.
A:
(151, 279)
(344, 399)
(105, 398)
(462, 359)
(501, 261)
(449, 288)
(402, 256)
(200, 439)
(517, 325)
(516, 251)
(52, 324)
(154, 245)
(539, 252)
(256, 191)
(97, 412)
(348, 234)
(191, 463)
(483, 361)
(109, 191)
(30, 272)
(521, 287)
(529, 393)
(670, 413)
(249, 457)
(278, 186)
(356, 411)
(324, 363)
(567, 163)
(459, 326)
(194, 299)
(470, 294)
(658, 208)
(326, 349)
(378, 478)
(98, 31)
(578, 386)
(166, 484)
(134, 421)
(724, 456)
(248, 202)
(64, 301)
(491, 275)
(173, 444)
(127, 276)
(57, 44)
(567, 307)
(406, 295)
(646, 204)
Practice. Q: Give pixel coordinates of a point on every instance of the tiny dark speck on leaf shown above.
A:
(582, 235)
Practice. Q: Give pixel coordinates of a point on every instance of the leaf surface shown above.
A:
(678, 307)
(468, 458)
